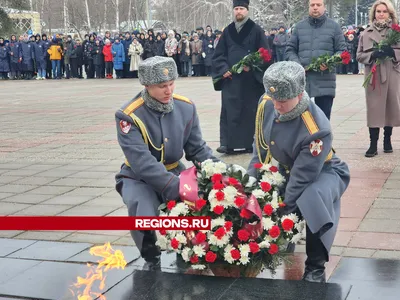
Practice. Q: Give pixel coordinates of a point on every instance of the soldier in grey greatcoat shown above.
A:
(154, 129)
(296, 133)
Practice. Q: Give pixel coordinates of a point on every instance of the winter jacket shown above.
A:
(118, 52)
(55, 51)
(107, 52)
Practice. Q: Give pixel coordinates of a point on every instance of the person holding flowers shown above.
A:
(379, 50)
(311, 38)
(296, 133)
(241, 87)
(154, 129)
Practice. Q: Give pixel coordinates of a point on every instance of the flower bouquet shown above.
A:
(247, 234)
(392, 38)
(253, 61)
(331, 61)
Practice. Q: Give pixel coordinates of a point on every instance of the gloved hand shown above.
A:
(378, 54)
(389, 52)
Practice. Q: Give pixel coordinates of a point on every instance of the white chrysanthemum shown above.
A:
(267, 223)
(264, 244)
(244, 250)
(230, 194)
(185, 254)
(266, 167)
(162, 242)
(237, 168)
(227, 254)
(220, 167)
(244, 260)
(217, 222)
(181, 238)
(199, 250)
(258, 194)
(252, 180)
(212, 195)
(292, 217)
(274, 202)
(279, 179)
(207, 162)
(172, 233)
(213, 240)
(267, 177)
(181, 209)
(300, 225)
(198, 267)
(209, 169)
(296, 238)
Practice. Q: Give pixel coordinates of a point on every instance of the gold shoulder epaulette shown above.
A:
(138, 102)
(309, 121)
(182, 98)
(266, 97)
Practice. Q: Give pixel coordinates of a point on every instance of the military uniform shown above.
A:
(153, 140)
(301, 141)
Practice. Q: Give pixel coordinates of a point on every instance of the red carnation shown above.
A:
(200, 237)
(239, 201)
(274, 232)
(273, 169)
(373, 69)
(219, 233)
(243, 235)
(233, 181)
(396, 27)
(235, 254)
(162, 232)
(245, 214)
(254, 248)
(258, 165)
(287, 224)
(174, 243)
(220, 196)
(171, 204)
(265, 55)
(218, 186)
(268, 209)
(211, 257)
(200, 204)
(228, 225)
(219, 209)
(273, 249)
(194, 259)
(265, 186)
(216, 178)
(346, 57)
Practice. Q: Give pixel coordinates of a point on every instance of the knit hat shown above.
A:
(157, 69)
(284, 80)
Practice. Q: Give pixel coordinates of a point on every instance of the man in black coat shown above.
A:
(240, 92)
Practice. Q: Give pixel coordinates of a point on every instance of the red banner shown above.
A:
(57, 223)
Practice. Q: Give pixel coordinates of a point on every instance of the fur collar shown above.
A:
(238, 38)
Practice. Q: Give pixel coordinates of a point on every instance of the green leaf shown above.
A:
(214, 248)
(162, 206)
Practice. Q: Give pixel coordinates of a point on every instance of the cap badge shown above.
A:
(166, 72)
(272, 89)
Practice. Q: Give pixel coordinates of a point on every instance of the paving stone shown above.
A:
(119, 212)
(42, 210)
(11, 208)
(43, 235)
(45, 250)
(9, 246)
(12, 166)
(36, 180)
(376, 240)
(388, 226)
(380, 213)
(358, 252)
(387, 254)
(9, 268)
(387, 203)
(41, 167)
(27, 198)
(91, 238)
(126, 241)
(392, 184)
(6, 195)
(51, 190)
(88, 192)
(58, 172)
(21, 173)
(389, 194)
(109, 183)
(14, 188)
(104, 201)
(74, 182)
(86, 210)
(130, 254)
(68, 200)
(9, 233)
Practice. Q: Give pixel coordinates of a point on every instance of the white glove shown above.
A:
(204, 55)
(210, 46)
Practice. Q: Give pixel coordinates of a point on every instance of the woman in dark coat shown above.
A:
(159, 46)
(4, 59)
(208, 50)
(149, 49)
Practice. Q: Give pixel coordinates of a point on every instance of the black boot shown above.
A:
(150, 252)
(222, 149)
(317, 256)
(373, 146)
(387, 143)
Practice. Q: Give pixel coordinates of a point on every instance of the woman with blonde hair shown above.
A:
(383, 91)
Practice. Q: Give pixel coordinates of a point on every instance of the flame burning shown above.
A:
(111, 259)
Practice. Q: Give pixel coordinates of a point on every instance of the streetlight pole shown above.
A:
(356, 13)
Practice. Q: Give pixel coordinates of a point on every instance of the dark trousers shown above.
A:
(119, 73)
(197, 70)
(208, 70)
(325, 104)
(74, 67)
(317, 255)
(90, 69)
(15, 70)
(109, 67)
(98, 69)
(126, 72)
(185, 68)
(67, 68)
